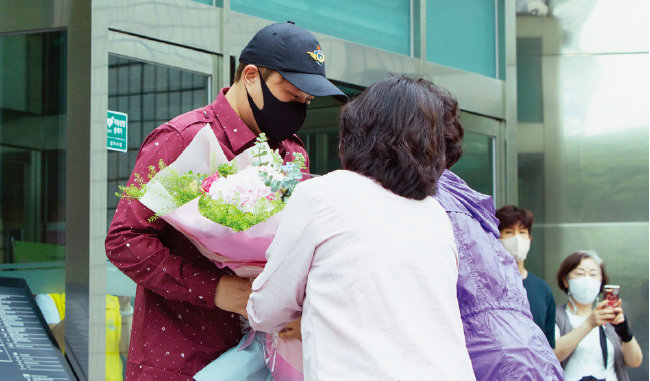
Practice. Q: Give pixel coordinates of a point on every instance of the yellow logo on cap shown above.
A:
(318, 55)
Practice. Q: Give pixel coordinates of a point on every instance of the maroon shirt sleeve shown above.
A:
(134, 246)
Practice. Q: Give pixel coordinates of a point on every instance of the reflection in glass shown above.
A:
(320, 132)
(476, 166)
(150, 95)
(383, 24)
(320, 135)
(583, 150)
(599, 26)
(216, 3)
(532, 7)
(461, 34)
(529, 80)
(32, 156)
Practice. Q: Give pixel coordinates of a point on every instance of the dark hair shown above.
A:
(392, 132)
(454, 131)
(264, 71)
(511, 215)
(573, 261)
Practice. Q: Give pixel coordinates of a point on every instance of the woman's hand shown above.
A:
(618, 310)
(602, 314)
(565, 345)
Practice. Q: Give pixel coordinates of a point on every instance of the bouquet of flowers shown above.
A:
(230, 211)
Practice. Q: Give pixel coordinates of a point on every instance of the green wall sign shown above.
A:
(116, 132)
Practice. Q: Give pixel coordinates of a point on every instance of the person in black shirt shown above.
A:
(515, 227)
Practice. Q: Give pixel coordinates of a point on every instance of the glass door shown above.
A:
(32, 158)
(149, 83)
(320, 132)
(478, 164)
(149, 95)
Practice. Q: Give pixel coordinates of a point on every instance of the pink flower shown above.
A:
(207, 183)
(245, 187)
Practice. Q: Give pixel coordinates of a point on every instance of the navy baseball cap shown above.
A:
(295, 54)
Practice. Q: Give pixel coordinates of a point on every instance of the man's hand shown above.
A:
(292, 330)
(232, 294)
(58, 330)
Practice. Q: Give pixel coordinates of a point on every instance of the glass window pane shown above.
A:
(583, 166)
(383, 24)
(32, 158)
(153, 95)
(162, 94)
(462, 34)
(501, 27)
(476, 166)
(320, 132)
(530, 107)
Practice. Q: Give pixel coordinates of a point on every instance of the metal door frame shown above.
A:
(146, 50)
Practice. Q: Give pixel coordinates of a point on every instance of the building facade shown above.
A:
(71, 71)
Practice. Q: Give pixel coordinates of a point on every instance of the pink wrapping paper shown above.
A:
(244, 252)
(284, 358)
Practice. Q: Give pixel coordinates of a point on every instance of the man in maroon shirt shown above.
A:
(187, 310)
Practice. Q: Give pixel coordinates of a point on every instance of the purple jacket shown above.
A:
(502, 340)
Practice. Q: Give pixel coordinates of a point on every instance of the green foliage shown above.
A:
(259, 150)
(183, 188)
(229, 215)
(227, 169)
(299, 160)
(186, 187)
(136, 190)
(132, 192)
(292, 176)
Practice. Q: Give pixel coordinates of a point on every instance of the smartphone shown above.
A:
(610, 293)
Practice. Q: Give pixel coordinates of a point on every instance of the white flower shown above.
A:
(245, 187)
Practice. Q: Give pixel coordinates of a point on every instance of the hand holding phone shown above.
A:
(611, 293)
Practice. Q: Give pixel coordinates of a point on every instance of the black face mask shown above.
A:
(278, 120)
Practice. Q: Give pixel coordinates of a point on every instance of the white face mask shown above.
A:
(584, 289)
(518, 246)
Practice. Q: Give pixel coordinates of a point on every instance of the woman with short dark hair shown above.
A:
(393, 135)
(592, 343)
(366, 256)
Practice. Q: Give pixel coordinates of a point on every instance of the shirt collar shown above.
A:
(238, 133)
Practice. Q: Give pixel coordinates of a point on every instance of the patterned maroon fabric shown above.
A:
(177, 329)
